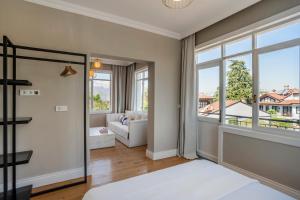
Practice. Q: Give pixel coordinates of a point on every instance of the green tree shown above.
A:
(99, 104)
(272, 112)
(239, 82)
(145, 100)
(217, 94)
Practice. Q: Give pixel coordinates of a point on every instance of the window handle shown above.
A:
(254, 98)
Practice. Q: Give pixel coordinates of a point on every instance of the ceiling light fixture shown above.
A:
(96, 64)
(91, 73)
(177, 4)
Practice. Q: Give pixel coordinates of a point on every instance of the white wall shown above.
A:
(38, 26)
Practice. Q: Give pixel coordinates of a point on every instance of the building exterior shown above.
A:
(286, 103)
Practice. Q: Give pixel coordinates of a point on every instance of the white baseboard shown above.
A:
(46, 179)
(283, 188)
(161, 154)
(207, 155)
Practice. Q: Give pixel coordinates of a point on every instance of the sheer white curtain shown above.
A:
(187, 121)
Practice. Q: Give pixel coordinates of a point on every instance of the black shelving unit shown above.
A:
(15, 158)
(11, 160)
(18, 120)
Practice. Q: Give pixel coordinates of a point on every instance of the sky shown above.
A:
(276, 68)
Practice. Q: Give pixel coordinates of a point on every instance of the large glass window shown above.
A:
(238, 46)
(208, 92)
(100, 92)
(279, 80)
(238, 92)
(208, 55)
(279, 34)
(259, 86)
(141, 90)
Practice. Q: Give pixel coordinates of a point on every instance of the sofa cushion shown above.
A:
(135, 115)
(119, 129)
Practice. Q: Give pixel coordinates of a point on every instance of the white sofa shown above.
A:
(132, 135)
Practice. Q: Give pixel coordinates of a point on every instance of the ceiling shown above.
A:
(152, 15)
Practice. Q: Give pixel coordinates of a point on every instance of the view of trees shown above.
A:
(273, 113)
(145, 103)
(99, 104)
(239, 83)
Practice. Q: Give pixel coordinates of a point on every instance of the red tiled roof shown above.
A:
(294, 91)
(273, 95)
(203, 96)
(285, 102)
(214, 107)
(290, 102)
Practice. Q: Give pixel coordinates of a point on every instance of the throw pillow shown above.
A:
(121, 118)
(125, 121)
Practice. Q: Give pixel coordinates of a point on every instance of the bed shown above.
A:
(195, 180)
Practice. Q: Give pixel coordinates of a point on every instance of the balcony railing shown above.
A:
(287, 124)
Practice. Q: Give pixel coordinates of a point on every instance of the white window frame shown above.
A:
(255, 70)
(92, 92)
(135, 87)
(207, 65)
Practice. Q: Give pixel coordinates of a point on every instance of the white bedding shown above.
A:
(196, 180)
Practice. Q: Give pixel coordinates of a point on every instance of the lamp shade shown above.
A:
(96, 64)
(91, 73)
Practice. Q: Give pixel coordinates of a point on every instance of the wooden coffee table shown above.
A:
(101, 140)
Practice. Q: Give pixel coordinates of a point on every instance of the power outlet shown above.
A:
(61, 108)
(29, 92)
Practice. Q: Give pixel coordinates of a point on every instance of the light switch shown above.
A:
(29, 92)
(61, 108)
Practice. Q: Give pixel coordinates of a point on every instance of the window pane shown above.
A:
(145, 96)
(279, 34)
(101, 98)
(90, 95)
(279, 89)
(146, 74)
(139, 95)
(238, 108)
(209, 54)
(238, 46)
(141, 91)
(208, 92)
(102, 75)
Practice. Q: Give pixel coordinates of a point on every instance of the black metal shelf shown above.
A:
(17, 82)
(22, 193)
(19, 120)
(21, 158)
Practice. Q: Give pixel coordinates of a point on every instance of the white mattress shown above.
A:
(196, 180)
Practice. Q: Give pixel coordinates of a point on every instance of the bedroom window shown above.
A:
(257, 78)
(141, 90)
(279, 78)
(100, 92)
(208, 91)
(238, 90)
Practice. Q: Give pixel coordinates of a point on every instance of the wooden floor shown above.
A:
(112, 164)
